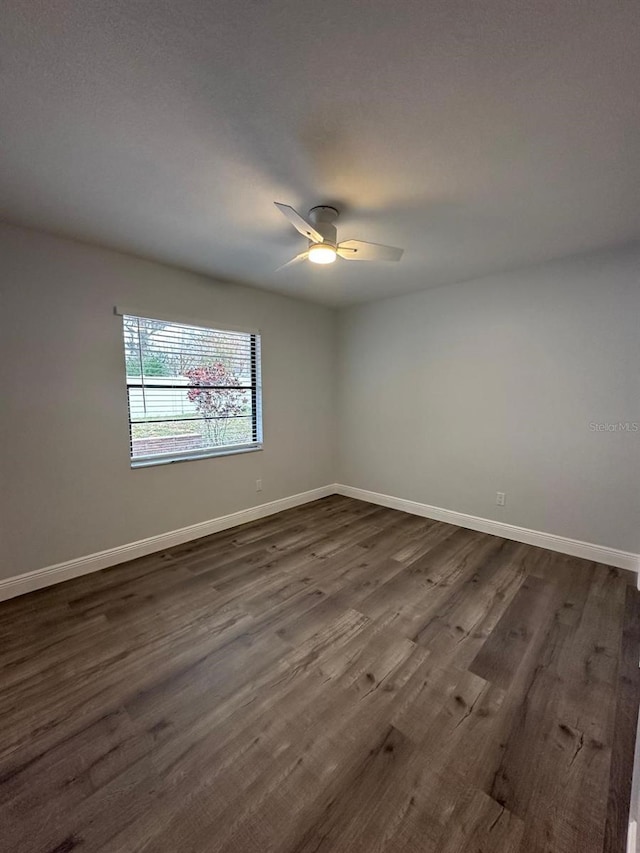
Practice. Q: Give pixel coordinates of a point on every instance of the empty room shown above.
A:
(320, 419)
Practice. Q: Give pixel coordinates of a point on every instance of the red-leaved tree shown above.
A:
(216, 398)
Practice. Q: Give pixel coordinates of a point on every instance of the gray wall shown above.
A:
(450, 395)
(67, 488)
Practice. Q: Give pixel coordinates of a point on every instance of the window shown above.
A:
(192, 391)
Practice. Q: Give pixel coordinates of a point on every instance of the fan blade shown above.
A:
(301, 257)
(358, 250)
(300, 224)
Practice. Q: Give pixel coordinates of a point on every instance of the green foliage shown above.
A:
(152, 365)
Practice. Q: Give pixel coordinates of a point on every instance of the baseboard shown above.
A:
(30, 581)
(49, 575)
(574, 547)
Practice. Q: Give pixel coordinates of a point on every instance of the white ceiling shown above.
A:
(480, 136)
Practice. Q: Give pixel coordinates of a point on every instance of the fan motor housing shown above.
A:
(323, 219)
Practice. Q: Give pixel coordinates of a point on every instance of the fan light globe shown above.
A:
(322, 253)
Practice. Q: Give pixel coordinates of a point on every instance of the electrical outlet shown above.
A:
(501, 498)
(258, 485)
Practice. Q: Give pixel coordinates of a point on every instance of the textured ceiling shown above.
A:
(480, 136)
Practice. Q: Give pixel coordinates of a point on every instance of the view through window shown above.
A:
(192, 391)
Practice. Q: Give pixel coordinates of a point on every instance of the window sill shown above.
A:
(213, 454)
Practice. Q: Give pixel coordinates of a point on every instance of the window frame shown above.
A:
(170, 457)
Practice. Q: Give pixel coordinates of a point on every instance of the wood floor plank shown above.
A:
(396, 601)
(455, 635)
(625, 727)
(379, 803)
(499, 658)
(570, 693)
(481, 825)
(338, 677)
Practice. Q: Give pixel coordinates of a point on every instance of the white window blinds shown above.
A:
(192, 391)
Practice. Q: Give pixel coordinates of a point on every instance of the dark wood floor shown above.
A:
(339, 677)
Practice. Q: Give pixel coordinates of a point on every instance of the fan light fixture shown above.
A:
(320, 231)
(322, 253)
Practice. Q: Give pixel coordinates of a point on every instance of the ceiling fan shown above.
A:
(320, 230)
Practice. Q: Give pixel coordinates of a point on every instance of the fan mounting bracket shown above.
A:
(323, 220)
(323, 213)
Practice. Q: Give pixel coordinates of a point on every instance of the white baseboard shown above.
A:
(112, 556)
(574, 547)
(49, 575)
